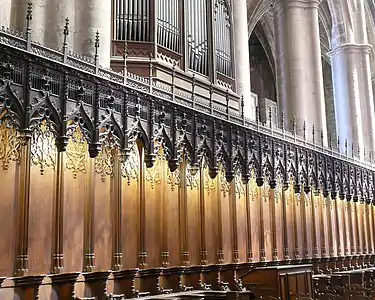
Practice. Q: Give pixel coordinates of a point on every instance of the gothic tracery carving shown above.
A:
(77, 151)
(9, 143)
(43, 149)
(130, 167)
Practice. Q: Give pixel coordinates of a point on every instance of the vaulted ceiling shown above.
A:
(334, 23)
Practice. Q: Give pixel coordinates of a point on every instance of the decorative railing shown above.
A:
(140, 106)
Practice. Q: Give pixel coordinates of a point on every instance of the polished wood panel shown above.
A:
(114, 213)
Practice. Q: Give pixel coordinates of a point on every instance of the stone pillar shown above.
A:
(18, 18)
(93, 15)
(56, 13)
(364, 73)
(353, 87)
(241, 56)
(298, 65)
(346, 95)
(6, 7)
(367, 98)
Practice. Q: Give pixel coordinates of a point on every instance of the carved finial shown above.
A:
(294, 125)
(282, 121)
(66, 32)
(321, 137)
(97, 40)
(97, 44)
(65, 42)
(338, 143)
(330, 141)
(304, 130)
(242, 107)
(227, 100)
(29, 17)
(346, 147)
(313, 133)
(270, 116)
(257, 114)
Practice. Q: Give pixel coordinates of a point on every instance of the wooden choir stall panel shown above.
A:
(282, 282)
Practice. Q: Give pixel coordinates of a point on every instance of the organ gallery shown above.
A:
(155, 179)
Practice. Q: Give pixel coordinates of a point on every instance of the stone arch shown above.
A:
(342, 22)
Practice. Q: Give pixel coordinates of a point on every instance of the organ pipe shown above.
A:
(197, 35)
(168, 23)
(132, 20)
(132, 23)
(222, 28)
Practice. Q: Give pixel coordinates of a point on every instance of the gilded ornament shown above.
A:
(224, 184)
(10, 143)
(240, 189)
(76, 151)
(192, 178)
(174, 178)
(153, 174)
(130, 167)
(209, 184)
(43, 149)
(105, 162)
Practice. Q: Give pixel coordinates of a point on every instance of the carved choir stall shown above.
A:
(110, 191)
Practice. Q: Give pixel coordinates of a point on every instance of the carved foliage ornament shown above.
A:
(76, 151)
(224, 184)
(174, 178)
(10, 143)
(240, 189)
(43, 149)
(105, 161)
(154, 174)
(192, 178)
(130, 166)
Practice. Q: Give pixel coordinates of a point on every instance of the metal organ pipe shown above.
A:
(222, 29)
(132, 20)
(168, 22)
(197, 35)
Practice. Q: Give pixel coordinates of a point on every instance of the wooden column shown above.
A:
(116, 181)
(58, 238)
(88, 243)
(21, 268)
(285, 218)
(314, 206)
(272, 207)
(142, 253)
(163, 215)
(357, 230)
(234, 220)
(371, 216)
(202, 212)
(295, 204)
(304, 206)
(185, 260)
(261, 199)
(249, 244)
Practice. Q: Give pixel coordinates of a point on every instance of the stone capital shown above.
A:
(350, 48)
(280, 4)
